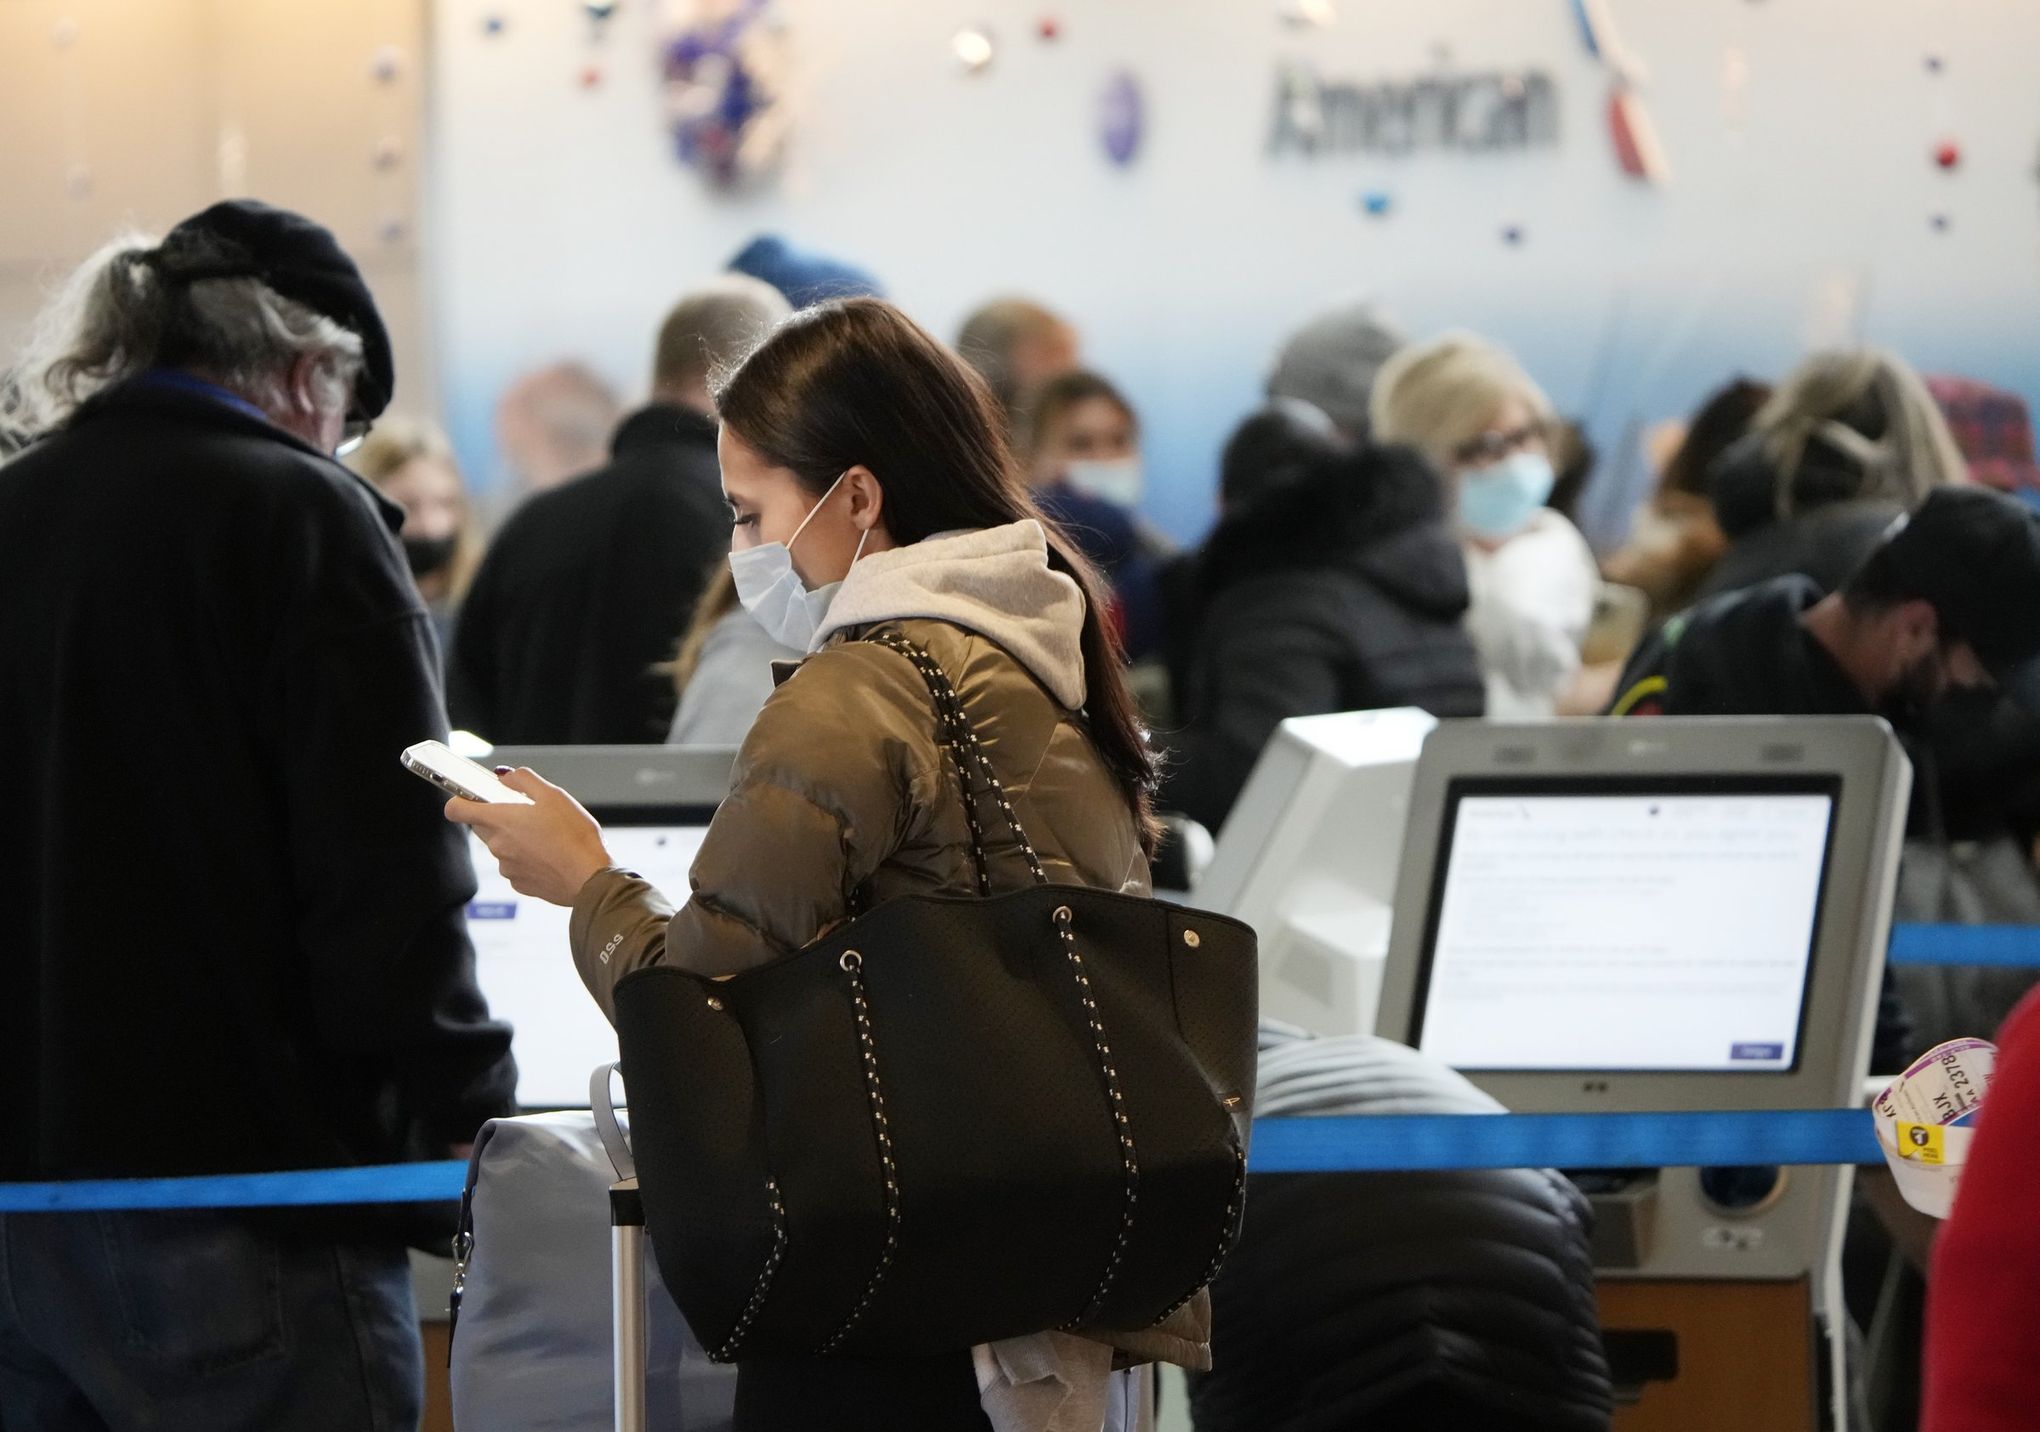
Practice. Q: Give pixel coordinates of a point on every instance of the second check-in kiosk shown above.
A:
(1667, 915)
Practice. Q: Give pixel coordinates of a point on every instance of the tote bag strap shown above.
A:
(956, 733)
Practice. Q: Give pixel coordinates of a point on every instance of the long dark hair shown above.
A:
(856, 382)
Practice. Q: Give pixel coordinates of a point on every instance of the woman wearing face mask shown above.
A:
(872, 492)
(1479, 418)
(412, 463)
(1080, 445)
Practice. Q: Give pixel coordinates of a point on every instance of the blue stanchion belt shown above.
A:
(1965, 945)
(1316, 1145)
(379, 1183)
(1381, 1143)
(1443, 1141)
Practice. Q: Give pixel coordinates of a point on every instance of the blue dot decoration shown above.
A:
(492, 25)
(1512, 234)
(1934, 64)
(1122, 117)
(1377, 202)
(1940, 223)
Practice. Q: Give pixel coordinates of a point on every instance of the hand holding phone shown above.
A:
(545, 841)
(458, 776)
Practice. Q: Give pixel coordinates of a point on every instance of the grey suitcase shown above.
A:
(549, 1334)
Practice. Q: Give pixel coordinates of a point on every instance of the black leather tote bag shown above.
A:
(952, 1120)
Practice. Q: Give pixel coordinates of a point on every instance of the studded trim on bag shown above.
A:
(728, 1351)
(853, 965)
(964, 750)
(1226, 1233)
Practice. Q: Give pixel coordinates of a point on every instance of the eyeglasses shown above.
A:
(1493, 447)
(353, 433)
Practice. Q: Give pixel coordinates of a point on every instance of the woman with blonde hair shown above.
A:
(412, 464)
(1849, 441)
(1469, 407)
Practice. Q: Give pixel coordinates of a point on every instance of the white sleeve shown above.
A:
(1533, 599)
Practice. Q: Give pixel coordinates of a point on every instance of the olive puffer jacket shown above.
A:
(843, 798)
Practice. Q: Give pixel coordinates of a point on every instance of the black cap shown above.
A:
(1975, 554)
(244, 238)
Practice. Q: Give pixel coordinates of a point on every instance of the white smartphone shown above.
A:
(458, 776)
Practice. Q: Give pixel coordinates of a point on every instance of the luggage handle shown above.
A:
(603, 1106)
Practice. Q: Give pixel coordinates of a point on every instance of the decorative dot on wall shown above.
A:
(64, 33)
(387, 64)
(591, 77)
(598, 10)
(1049, 28)
(391, 230)
(493, 24)
(1948, 154)
(1512, 234)
(974, 48)
(1122, 117)
(1940, 223)
(1935, 64)
(1377, 202)
(1309, 14)
(389, 153)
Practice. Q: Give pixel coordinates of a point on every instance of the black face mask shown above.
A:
(428, 554)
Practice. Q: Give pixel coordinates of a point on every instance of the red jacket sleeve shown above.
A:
(1983, 1334)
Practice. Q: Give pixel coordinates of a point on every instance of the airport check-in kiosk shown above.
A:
(1668, 914)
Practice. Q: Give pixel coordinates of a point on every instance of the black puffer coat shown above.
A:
(1401, 1300)
(1342, 591)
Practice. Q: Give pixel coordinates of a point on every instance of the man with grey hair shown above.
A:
(1331, 363)
(553, 424)
(589, 586)
(231, 925)
(1016, 345)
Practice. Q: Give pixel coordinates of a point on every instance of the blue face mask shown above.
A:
(1498, 501)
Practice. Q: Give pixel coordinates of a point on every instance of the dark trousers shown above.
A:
(201, 1322)
(843, 1394)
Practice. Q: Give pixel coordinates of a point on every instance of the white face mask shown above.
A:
(1116, 480)
(773, 593)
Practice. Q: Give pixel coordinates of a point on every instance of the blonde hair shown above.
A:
(1871, 408)
(718, 599)
(394, 444)
(1440, 395)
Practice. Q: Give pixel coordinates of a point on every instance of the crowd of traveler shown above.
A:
(217, 638)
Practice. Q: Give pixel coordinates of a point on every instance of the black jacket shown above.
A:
(1741, 654)
(1446, 1300)
(1827, 544)
(1343, 591)
(588, 587)
(231, 924)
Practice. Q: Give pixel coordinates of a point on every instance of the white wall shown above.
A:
(117, 117)
(560, 226)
